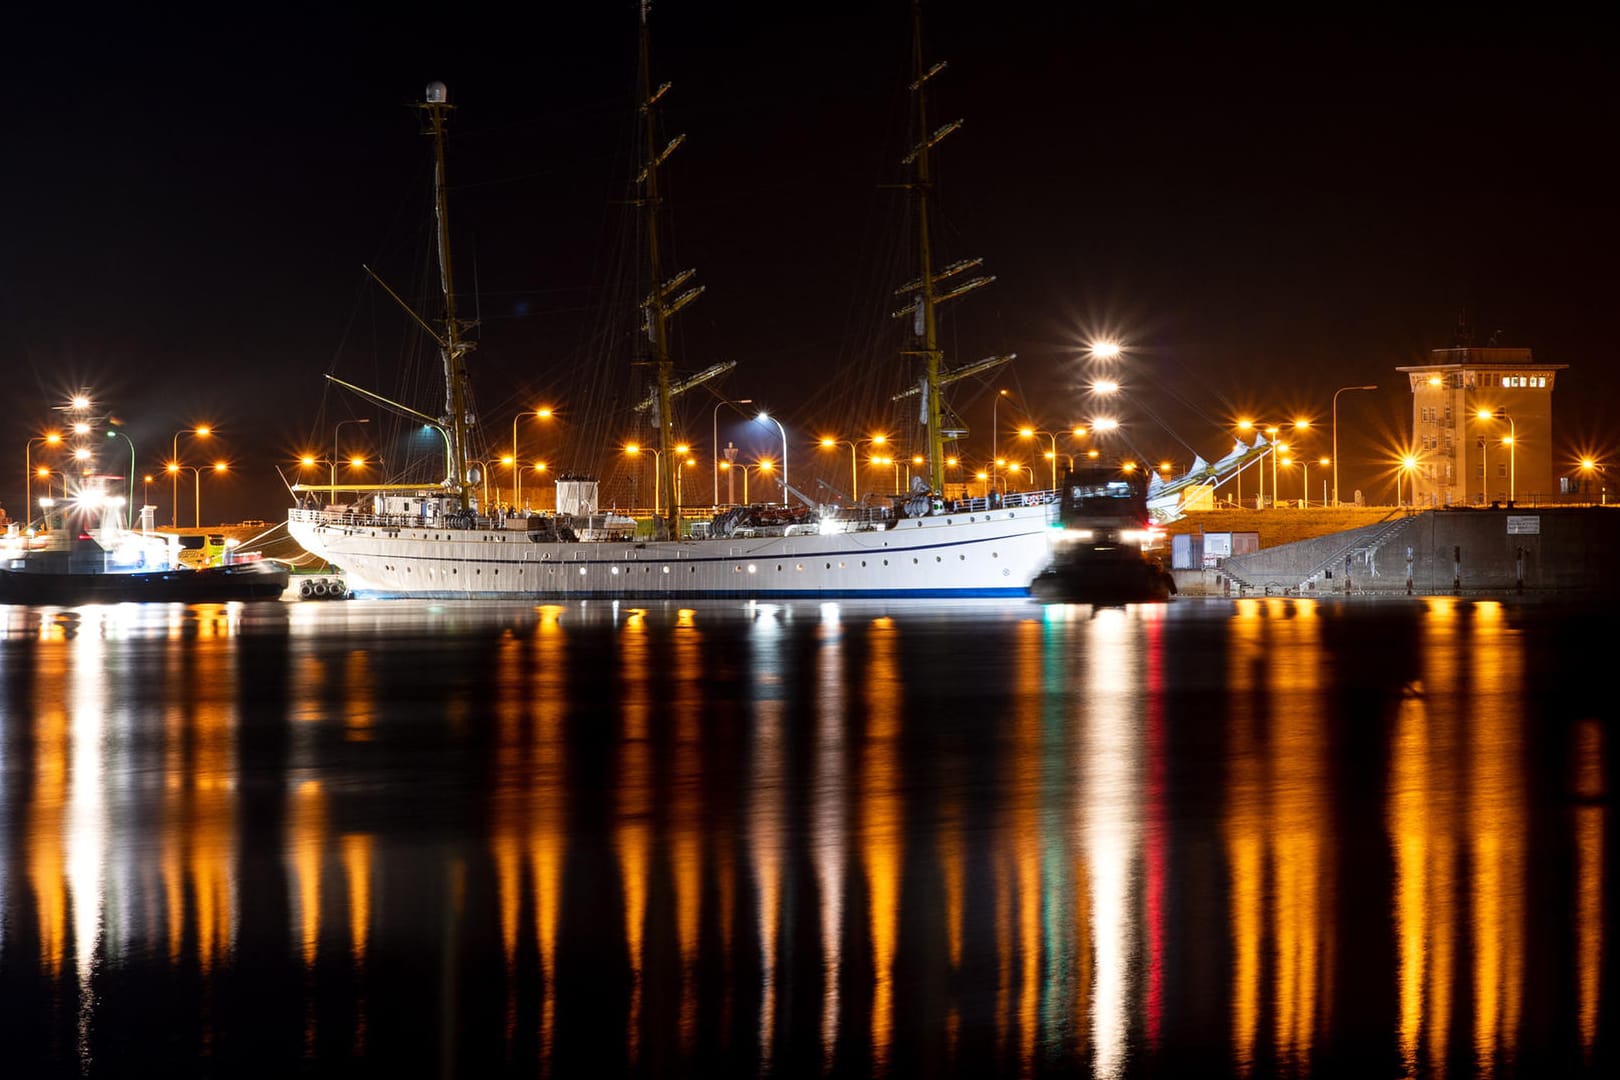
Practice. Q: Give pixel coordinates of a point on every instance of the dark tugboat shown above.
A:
(1099, 556)
(81, 553)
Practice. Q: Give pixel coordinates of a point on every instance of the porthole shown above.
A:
(666, 569)
(961, 558)
(913, 562)
(994, 555)
(937, 558)
(752, 568)
(614, 571)
(582, 571)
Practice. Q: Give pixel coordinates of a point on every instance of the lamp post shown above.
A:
(1408, 463)
(176, 469)
(542, 413)
(50, 438)
(635, 450)
(146, 496)
(202, 432)
(762, 417)
(830, 443)
(126, 438)
(1030, 433)
(1336, 394)
(714, 423)
(995, 432)
(1511, 441)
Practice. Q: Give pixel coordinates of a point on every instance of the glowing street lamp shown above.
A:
(1510, 442)
(762, 418)
(202, 431)
(1105, 350)
(50, 438)
(830, 443)
(542, 413)
(176, 469)
(1030, 433)
(1408, 464)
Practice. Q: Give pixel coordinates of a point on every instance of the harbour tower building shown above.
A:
(1481, 428)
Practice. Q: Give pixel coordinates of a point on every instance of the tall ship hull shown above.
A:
(974, 552)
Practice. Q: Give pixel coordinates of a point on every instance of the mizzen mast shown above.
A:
(928, 287)
(457, 424)
(663, 301)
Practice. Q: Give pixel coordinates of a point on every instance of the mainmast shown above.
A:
(661, 303)
(926, 286)
(457, 422)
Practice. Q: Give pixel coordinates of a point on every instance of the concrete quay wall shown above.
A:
(1504, 551)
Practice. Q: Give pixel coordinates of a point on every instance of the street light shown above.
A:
(176, 469)
(126, 438)
(1407, 465)
(714, 424)
(762, 417)
(743, 467)
(1030, 433)
(50, 438)
(542, 413)
(1336, 394)
(830, 443)
(635, 449)
(995, 432)
(202, 432)
(1511, 441)
(1589, 466)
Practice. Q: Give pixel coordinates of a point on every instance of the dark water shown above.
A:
(1255, 838)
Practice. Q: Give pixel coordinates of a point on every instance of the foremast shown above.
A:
(457, 421)
(927, 285)
(662, 302)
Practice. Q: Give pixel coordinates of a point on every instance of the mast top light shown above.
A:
(437, 92)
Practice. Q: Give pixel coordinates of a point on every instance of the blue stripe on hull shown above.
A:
(708, 594)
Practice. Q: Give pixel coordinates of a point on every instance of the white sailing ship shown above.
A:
(440, 543)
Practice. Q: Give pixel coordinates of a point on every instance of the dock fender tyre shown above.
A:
(306, 590)
(320, 588)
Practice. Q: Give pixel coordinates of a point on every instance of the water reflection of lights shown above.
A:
(766, 818)
(1424, 821)
(1589, 814)
(632, 831)
(1111, 784)
(1496, 835)
(828, 827)
(1277, 827)
(686, 813)
(882, 811)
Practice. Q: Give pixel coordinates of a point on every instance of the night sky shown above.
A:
(1261, 210)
